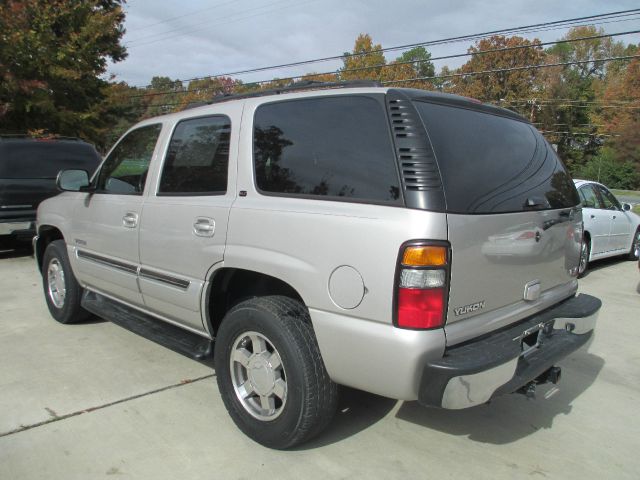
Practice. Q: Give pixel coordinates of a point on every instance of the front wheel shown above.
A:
(634, 253)
(61, 289)
(270, 372)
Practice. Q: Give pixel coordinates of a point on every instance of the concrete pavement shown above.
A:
(96, 401)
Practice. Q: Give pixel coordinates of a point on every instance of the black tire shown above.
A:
(584, 262)
(635, 246)
(311, 397)
(65, 307)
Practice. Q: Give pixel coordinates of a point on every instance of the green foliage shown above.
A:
(51, 57)
(420, 58)
(604, 168)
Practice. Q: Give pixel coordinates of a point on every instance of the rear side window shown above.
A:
(328, 147)
(493, 164)
(198, 158)
(27, 158)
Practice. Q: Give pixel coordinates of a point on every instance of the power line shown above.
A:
(522, 29)
(209, 24)
(171, 19)
(395, 64)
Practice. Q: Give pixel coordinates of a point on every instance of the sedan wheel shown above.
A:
(584, 257)
(634, 254)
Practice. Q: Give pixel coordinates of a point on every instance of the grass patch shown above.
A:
(627, 193)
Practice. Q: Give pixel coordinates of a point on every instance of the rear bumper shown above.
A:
(474, 372)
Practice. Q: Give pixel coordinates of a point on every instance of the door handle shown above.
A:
(593, 216)
(130, 220)
(204, 227)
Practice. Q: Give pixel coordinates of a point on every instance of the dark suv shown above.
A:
(28, 170)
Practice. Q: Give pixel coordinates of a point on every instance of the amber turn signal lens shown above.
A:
(424, 256)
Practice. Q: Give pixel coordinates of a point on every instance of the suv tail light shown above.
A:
(422, 285)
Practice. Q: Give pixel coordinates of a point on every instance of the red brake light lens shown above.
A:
(420, 308)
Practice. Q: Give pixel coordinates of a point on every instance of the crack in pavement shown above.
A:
(57, 418)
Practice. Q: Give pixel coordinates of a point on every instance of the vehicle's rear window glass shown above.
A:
(329, 147)
(45, 158)
(493, 164)
(198, 157)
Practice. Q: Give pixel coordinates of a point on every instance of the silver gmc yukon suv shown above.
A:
(415, 245)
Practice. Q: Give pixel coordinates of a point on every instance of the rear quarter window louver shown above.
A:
(416, 160)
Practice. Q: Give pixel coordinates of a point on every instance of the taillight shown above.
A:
(422, 285)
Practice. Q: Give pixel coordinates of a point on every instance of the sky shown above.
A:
(195, 38)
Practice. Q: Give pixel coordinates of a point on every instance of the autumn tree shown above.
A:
(204, 90)
(364, 62)
(52, 55)
(504, 80)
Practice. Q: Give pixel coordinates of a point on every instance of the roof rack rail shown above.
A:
(292, 87)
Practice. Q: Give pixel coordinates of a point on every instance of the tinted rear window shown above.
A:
(328, 147)
(493, 164)
(44, 159)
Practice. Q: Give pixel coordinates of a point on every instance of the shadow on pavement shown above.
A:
(511, 417)
(357, 411)
(604, 263)
(16, 252)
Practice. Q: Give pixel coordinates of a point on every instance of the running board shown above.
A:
(170, 336)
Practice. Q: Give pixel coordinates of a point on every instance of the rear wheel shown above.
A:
(584, 256)
(634, 253)
(61, 289)
(270, 373)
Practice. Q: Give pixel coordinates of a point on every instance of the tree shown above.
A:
(206, 89)
(162, 96)
(502, 85)
(365, 62)
(420, 61)
(619, 114)
(606, 168)
(51, 57)
(574, 88)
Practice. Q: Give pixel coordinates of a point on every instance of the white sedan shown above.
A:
(610, 228)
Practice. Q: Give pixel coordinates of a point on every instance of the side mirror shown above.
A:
(626, 207)
(72, 180)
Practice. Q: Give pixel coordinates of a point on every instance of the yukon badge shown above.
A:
(474, 307)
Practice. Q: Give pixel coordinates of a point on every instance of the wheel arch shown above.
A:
(228, 286)
(46, 235)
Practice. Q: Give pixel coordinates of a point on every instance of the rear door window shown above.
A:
(326, 147)
(494, 164)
